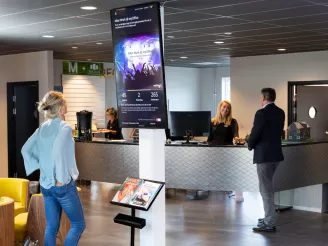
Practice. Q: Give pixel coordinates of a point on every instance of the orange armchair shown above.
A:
(18, 190)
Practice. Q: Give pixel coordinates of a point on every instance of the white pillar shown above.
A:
(152, 166)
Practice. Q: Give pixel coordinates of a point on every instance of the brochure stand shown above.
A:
(131, 220)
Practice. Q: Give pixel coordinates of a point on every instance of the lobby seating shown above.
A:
(18, 190)
(7, 236)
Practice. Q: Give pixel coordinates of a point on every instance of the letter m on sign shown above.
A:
(72, 67)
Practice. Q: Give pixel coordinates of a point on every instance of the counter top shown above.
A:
(200, 144)
(108, 141)
(312, 142)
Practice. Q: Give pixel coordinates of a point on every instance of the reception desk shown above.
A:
(204, 167)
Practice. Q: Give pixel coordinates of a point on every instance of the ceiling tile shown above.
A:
(300, 20)
(102, 16)
(27, 18)
(204, 4)
(210, 22)
(231, 28)
(5, 11)
(284, 35)
(253, 7)
(286, 13)
(73, 24)
(185, 17)
(255, 33)
(316, 26)
(34, 4)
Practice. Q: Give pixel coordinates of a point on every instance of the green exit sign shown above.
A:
(83, 68)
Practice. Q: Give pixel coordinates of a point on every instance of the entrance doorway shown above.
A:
(23, 120)
(307, 101)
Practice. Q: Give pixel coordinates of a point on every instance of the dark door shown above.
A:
(316, 97)
(23, 120)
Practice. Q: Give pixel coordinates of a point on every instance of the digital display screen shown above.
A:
(138, 58)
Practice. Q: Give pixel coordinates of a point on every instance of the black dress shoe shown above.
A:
(262, 227)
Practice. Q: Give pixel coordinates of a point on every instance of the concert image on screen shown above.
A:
(138, 63)
(138, 57)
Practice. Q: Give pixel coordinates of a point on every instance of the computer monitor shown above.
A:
(189, 123)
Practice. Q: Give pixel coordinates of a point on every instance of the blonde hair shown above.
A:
(219, 118)
(113, 112)
(51, 104)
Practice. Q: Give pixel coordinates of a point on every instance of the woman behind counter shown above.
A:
(224, 129)
(114, 131)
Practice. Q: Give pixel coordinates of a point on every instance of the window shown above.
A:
(226, 89)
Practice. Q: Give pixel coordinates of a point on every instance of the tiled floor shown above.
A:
(217, 221)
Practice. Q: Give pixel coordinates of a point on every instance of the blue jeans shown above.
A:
(64, 197)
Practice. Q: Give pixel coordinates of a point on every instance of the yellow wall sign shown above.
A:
(107, 73)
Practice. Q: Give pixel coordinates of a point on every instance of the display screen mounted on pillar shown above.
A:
(139, 66)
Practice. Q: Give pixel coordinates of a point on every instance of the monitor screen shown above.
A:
(139, 66)
(197, 122)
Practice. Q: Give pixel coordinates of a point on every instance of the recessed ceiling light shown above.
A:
(89, 8)
(48, 36)
(183, 57)
(171, 37)
(227, 33)
(99, 43)
(172, 60)
(224, 48)
(219, 42)
(281, 49)
(74, 47)
(88, 59)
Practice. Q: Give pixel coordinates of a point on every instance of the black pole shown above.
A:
(133, 214)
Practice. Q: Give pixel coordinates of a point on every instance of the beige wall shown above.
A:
(36, 66)
(250, 74)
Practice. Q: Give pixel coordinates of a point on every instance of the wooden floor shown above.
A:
(217, 221)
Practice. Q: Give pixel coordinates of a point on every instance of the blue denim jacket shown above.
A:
(51, 149)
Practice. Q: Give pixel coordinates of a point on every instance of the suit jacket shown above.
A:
(265, 137)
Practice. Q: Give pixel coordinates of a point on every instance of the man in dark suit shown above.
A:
(265, 139)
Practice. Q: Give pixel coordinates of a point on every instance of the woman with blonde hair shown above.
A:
(51, 149)
(224, 128)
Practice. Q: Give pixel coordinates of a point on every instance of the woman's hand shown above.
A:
(238, 140)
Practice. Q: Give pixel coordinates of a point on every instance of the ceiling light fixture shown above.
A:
(99, 43)
(88, 59)
(281, 49)
(219, 42)
(48, 36)
(183, 57)
(227, 33)
(89, 8)
(171, 37)
(74, 47)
